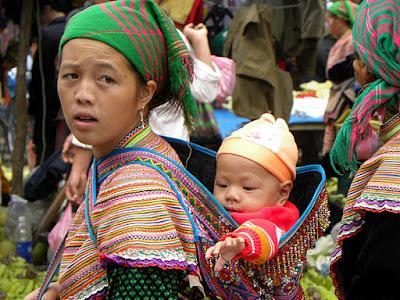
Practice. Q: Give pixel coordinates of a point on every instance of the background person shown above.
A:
(364, 260)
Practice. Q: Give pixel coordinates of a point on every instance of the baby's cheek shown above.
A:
(219, 196)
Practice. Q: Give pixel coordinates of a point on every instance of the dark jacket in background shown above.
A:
(51, 35)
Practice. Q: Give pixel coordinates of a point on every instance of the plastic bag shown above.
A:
(59, 231)
(228, 77)
(16, 207)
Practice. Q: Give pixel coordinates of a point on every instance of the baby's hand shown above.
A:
(195, 34)
(225, 250)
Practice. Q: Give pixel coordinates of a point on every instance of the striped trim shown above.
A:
(376, 189)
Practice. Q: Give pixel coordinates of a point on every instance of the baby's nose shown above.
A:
(233, 195)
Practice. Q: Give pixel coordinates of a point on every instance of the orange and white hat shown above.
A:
(269, 143)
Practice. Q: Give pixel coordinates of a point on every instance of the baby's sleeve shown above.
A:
(261, 240)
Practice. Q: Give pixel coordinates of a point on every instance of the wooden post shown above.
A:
(50, 216)
(21, 102)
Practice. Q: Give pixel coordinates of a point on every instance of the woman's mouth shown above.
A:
(84, 121)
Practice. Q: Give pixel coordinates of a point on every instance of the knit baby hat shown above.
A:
(267, 142)
(144, 34)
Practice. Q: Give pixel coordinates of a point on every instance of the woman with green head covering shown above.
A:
(132, 237)
(345, 10)
(364, 262)
(340, 19)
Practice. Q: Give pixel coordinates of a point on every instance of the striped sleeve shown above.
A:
(261, 240)
(141, 223)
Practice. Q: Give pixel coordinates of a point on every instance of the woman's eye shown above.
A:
(106, 79)
(70, 76)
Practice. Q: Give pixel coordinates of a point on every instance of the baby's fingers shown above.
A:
(219, 264)
(209, 252)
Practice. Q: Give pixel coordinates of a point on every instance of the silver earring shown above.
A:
(141, 117)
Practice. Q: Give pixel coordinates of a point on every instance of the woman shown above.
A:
(132, 237)
(340, 19)
(365, 260)
(164, 119)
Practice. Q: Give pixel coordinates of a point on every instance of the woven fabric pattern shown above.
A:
(150, 283)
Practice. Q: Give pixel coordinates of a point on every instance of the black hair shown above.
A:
(58, 5)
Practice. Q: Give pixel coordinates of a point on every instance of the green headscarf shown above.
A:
(376, 38)
(345, 10)
(142, 32)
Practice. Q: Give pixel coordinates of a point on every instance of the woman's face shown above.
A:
(101, 94)
(361, 73)
(335, 25)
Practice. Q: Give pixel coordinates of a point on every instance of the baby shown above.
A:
(256, 167)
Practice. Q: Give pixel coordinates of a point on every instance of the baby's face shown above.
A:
(242, 185)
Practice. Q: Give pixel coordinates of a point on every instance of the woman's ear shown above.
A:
(362, 74)
(366, 74)
(284, 191)
(146, 92)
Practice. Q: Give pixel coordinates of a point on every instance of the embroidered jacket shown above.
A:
(360, 261)
(137, 221)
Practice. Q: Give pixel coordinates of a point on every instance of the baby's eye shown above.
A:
(221, 185)
(106, 79)
(249, 188)
(70, 76)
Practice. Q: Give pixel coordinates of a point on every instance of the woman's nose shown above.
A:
(84, 92)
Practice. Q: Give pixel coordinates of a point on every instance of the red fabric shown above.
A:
(282, 216)
(273, 221)
(282, 64)
(196, 14)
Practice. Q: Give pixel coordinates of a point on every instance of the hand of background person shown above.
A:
(52, 293)
(225, 251)
(68, 150)
(195, 33)
(76, 182)
(197, 37)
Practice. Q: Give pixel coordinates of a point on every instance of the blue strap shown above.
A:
(182, 169)
(166, 177)
(87, 202)
(52, 269)
(178, 195)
